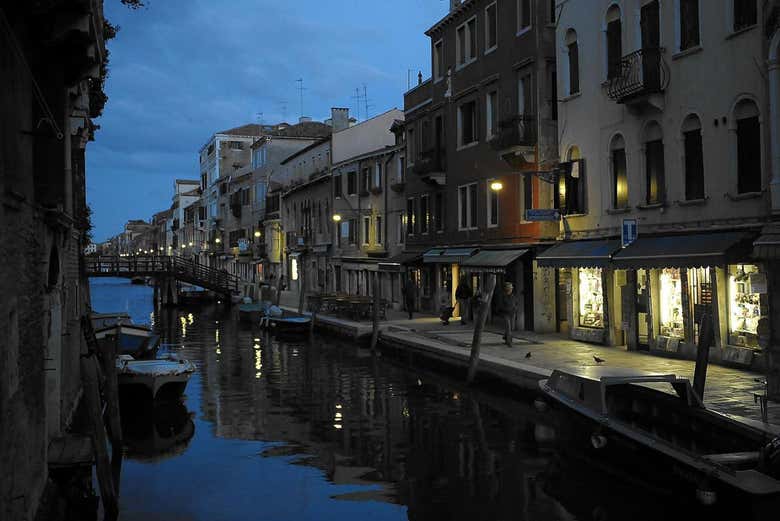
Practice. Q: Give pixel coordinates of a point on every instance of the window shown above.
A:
(365, 181)
(571, 184)
(745, 14)
(425, 215)
(467, 42)
(614, 42)
(528, 193)
(552, 75)
(748, 147)
(377, 175)
(401, 169)
(689, 24)
(492, 206)
(524, 94)
(351, 183)
(353, 231)
(438, 60)
(366, 230)
(619, 174)
(401, 227)
(438, 215)
(694, 159)
(523, 15)
(654, 164)
(410, 146)
(236, 145)
(467, 123)
(378, 229)
(491, 27)
(467, 206)
(337, 191)
(574, 61)
(551, 4)
(411, 214)
(492, 114)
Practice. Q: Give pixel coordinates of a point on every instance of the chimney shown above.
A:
(454, 4)
(339, 118)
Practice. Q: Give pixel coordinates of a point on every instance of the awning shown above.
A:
(447, 255)
(579, 254)
(685, 251)
(492, 260)
(767, 246)
(395, 263)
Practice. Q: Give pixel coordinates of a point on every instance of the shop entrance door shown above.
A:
(562, 297)
(642, 308)
(701, 297)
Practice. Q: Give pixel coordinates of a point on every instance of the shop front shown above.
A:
(585, 287)
(438, 275)
(393, 272)
(509, 265)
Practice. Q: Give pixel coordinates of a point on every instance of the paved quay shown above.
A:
(728, 390)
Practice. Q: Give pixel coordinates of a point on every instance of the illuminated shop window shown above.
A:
(671, 303)
(747, 284)
(294, 268)
(591, 298)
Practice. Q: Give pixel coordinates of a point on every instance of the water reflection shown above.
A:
(155, 431)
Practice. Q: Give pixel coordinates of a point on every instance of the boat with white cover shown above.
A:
(161, 375)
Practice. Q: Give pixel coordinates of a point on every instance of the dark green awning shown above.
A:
(447, 255)
(492, 260)
(767, 246)
(685, 251)
(579, 254)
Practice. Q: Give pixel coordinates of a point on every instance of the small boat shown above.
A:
(657, 426)
(168, 376)
(103, 320)
(274, 318)
(134, 340)
(252, 312)
(193, 295)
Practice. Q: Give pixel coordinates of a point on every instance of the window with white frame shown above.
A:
(378, 229)
(573, 62)
(467, 123)
(466, 35)
(377, 175)
(438, 60)
(492, 206)
(525, 95)
(366, 229)
(614, 41)
(491, 27)
(467, 206)
(688, 24)
(491, 113)
(523, 15)
(410, 215)
(425, 214)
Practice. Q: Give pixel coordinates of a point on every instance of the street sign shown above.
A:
(630, 231)
(542, 214)
(243, 245)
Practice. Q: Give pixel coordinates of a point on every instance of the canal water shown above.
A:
(320, 430)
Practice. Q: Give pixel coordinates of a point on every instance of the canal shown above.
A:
(322, 430)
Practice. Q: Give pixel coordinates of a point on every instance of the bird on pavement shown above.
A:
(528, 354)
(598, 360)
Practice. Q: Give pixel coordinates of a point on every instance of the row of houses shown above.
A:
(617, 161)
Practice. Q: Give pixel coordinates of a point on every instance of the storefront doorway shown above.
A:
(643, 308)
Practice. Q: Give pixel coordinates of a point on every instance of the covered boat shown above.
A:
(657, 426)
(274, 318)
(134, 340)
(168, 376)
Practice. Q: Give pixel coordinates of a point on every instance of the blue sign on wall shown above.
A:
(542, 214)
(629, 231)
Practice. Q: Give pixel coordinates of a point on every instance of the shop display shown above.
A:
(746, 285)
(591, 298)
(671, 311)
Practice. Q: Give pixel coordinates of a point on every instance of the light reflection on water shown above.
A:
(322, 430)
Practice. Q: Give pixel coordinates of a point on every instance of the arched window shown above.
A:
(614, 36)
(748, 130)
(571, 184)
(654, 164)
(572, 49)
(694, 158)
(617, 154)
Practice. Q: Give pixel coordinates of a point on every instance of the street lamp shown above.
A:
(496, 186)
(183, 246)
(336, 217)
(257, 234)
(217, 240)
(190, 244)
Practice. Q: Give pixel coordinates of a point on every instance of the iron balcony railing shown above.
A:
(431, 161)
(640, 73)
(518, 130)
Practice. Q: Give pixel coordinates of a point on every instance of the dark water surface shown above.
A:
(321, 430)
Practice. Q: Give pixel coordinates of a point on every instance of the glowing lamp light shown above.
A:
(183, 246)
(217, 240)
(496, 186)
(190, 244)
(257, 233)
(336, 217)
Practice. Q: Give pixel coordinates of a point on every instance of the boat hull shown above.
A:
(162, 378)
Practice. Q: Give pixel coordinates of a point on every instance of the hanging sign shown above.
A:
(630, 231)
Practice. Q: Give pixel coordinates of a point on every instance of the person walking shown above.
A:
(463, 295)
(410, 295)
(506, 306)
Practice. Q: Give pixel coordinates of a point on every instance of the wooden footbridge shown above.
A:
(162, 268)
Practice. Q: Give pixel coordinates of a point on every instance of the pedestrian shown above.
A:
(463, 295)
(445, 306)
(506, 304)
(410, 295)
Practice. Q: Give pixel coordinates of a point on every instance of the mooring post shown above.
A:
(375, 313)
(108, 357)
(706, 335)
(479, 324)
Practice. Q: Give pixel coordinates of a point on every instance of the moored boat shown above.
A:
(168, 376)
(657, 426)
(104, 320)
(134, 340)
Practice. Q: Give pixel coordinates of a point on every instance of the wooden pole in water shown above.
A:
(375, 313)
(301, 283)
(108, 358)
(479, 324)
(108, 493)
(706, 336)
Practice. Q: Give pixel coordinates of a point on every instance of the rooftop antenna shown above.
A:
(365, 100)
(283, 108)
(301, 88)
(357, 97)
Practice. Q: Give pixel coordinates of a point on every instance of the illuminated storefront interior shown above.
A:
(591, 298)
(747, 286)
(671, 309)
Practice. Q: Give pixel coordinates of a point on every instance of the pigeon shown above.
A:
(597, 359)
(528, 354)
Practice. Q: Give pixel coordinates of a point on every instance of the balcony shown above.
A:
(397, 184)
(642, 77)
(431, 166)
(516, 140)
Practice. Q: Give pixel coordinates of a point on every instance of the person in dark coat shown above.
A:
(506, 305)
(410, 295)
(464, 294)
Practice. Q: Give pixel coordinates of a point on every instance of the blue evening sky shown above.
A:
(183, 69)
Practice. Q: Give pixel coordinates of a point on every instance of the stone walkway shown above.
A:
(728, 390)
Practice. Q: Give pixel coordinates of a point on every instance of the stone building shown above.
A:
(51, 64)
(477, 134)
(665, 177)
